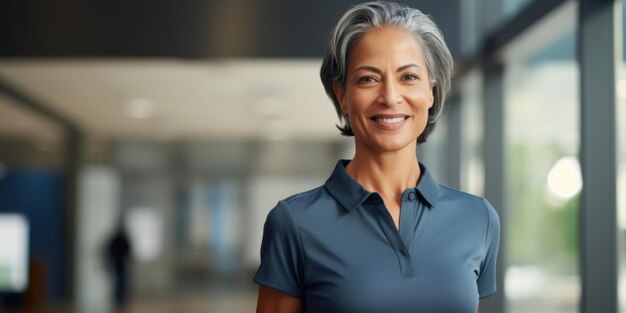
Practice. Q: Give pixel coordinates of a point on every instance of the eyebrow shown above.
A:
(378, 71)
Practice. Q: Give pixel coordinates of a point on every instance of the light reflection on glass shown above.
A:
(145, 225)
(564, 179)
(542, 113)
(472, 167)
(13, 252)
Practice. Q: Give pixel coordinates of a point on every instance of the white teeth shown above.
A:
(393, 120)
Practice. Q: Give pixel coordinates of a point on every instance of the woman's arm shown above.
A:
(273, 301)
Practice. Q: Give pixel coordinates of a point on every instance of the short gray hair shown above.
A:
(368, 16)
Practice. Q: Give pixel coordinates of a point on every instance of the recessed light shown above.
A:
(140, 108)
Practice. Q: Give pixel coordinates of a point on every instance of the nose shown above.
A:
(389, 93)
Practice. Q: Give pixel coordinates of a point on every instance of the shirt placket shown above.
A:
(395, 237)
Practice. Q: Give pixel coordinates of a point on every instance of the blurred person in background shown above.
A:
(118, 257)
(381, 235)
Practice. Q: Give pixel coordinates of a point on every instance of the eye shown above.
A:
(410, 77)
(366, 80)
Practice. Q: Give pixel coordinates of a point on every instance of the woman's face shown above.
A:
(387, 92)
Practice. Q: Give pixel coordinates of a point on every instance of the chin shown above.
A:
(393, 144)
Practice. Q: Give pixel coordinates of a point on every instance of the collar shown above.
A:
(428, 187)
(350, 194)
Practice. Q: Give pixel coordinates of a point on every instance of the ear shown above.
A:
(340, 94)
(431, 98)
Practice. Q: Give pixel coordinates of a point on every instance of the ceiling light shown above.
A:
(140, 108)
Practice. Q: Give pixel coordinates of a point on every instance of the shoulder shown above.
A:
(296, 204)
(467, 201)
(307, 210)
(306, 201)
(303, 198)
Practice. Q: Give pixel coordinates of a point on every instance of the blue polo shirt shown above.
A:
(337, 249)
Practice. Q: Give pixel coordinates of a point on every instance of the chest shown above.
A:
(430, 263)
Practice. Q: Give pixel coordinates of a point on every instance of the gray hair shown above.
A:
(368, 16)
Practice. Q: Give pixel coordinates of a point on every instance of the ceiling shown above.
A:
(190, 29)
(227, 98)
(197, 69)
(17, 121)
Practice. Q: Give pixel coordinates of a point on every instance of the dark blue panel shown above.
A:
(40, 196)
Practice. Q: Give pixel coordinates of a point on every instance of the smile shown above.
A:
(390, 122)
(393, 120)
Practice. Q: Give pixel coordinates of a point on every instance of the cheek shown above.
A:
(357, 102)
(422, 102)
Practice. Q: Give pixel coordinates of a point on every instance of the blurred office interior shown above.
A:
(186, 122)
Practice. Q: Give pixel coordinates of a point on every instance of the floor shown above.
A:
(214, 300)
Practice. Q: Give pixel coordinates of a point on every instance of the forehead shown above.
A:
(387, 45)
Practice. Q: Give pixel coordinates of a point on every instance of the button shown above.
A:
(411, 196)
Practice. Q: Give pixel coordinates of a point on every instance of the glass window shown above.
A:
(513, 7)
(621, 178)
(493, 14)
(621, 183)
(543, 173)
(472, 166)
(431, 152)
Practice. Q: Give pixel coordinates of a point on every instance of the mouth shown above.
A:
(389, 121)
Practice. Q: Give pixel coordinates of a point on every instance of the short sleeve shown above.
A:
(487, 279)
(281, 253)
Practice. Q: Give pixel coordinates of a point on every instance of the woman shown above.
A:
(381, 235)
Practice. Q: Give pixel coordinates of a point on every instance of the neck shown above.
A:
(388, 173)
